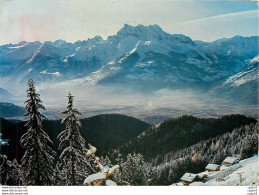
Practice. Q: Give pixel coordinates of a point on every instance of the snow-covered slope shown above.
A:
(20, 51)
(249, 169)
(143, 56)
(248, 75)
(242, 86)
(238, 46)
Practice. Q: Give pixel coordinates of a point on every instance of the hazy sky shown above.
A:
(72, 20)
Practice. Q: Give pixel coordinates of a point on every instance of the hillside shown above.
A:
(179, 133)
(241, 87)
(241, 142)
(110, 131)
(230, 176)
(10, 110)
(4, 124)
(104, 131)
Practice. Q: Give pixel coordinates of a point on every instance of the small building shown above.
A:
(179, 184)
(229, 161)
(202, 175)
(96, 179)
(188, 178)
(212, 167)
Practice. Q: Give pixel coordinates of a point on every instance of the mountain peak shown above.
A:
(96, 39)
(22, 42)
(142, 31)
(59, 42)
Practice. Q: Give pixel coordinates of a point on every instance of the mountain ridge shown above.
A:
(143, 58)
(125, 41)
(174, 134)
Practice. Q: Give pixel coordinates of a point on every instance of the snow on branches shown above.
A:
(37, 162)
(100, 178)
(73, 166)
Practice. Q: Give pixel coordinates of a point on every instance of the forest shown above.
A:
(131, 152)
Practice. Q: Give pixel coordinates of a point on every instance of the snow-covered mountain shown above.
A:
(243, 86)
(249, 74)
(143, 57)
(9, 110)
(4, 94)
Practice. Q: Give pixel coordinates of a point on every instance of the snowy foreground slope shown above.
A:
(229, 176)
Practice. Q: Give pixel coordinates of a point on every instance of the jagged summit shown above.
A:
(142, 31)
(60, 42)
(96, 40)
(139, 28)
(57, 43)
(151, 32)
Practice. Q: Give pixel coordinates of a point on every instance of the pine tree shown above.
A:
(73, 165)
(134, 171)
(37, 162)
(5, 167)
(16, 172)
(105, 161)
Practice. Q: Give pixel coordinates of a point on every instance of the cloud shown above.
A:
(223, 16)
(45, 72)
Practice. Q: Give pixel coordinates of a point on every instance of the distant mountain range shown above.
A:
(5, 95)
(144, 58)
(8, 110)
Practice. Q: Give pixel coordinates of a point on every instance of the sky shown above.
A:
(73, 20)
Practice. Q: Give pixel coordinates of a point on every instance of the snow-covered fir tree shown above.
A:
(73, 165)
(134, 171)
(5, 168)
(105, 161)
(16, 173)
(10, 172)
(37, 162)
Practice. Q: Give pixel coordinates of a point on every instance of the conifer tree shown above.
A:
(37, 162)
(134, 171)
(73, 165)
(16, 172)
(5, 167)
